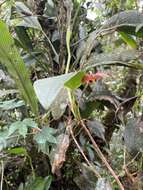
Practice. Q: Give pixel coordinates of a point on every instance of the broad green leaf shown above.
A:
(75, 81)
(18, 150)
(14, 127)
(11, 104)
(10, 56)
(46, 135)
(19, 126)
(23, 130)
(30, 123)
(40, 138)
(128, 39)
(47, 90)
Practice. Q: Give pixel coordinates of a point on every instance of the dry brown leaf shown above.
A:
(59, 153)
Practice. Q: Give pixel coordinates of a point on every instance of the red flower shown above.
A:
(89, 78)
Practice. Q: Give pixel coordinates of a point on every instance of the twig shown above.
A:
(2, 174)
(81, 151)
(50, 43)
(102, 157)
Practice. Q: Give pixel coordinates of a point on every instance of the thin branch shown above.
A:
(81, 151)
(101, 156)
(2, 175)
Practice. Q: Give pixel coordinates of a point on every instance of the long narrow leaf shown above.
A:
(10, 56)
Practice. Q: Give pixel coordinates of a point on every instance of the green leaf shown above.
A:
(46, 135)
(37, 184)
(19, 150)
(11, 104)
(19, 126)
(30, 123)
(51, 87)
(75, 81)
(48, 181)
(14, 127)
(23, 130)
(9, 56)
(128, 39)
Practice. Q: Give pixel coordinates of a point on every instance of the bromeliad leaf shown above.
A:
(10, 56)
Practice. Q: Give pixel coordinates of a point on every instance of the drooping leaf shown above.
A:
(116, 57)
(128, 39)
(51, 88)
(9, 56)
(126, 21)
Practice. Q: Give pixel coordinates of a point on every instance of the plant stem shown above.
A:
(2, 174)
(102, 157)
(81, 151)
(52, 47)
(68, 37)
